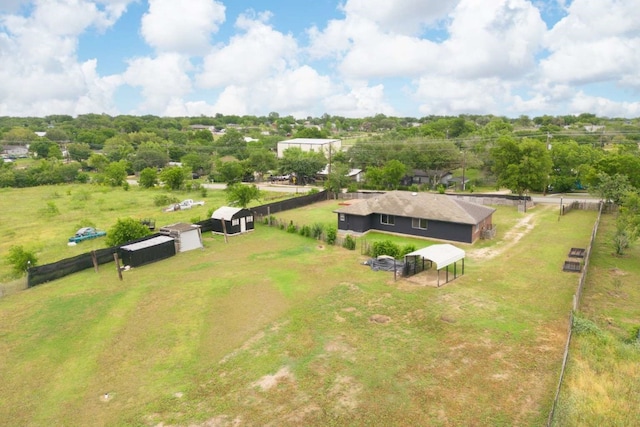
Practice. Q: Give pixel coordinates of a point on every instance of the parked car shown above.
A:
(185, 204)
(86, 233)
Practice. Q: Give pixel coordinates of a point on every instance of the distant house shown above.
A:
(353, 174)
(432, 178)
(187, 236)
(228, 220)
(428, 215)
(15, 151)
(325, 146)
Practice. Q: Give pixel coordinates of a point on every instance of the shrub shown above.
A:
(585, 327)
(50, 210)
(407, 249)
(291, 228)
(21, 259)
(313, 191)
(317, 229)
(441, 189)
(126, 230)
(305, 231)
(332, 235)
(349, 243)
(164, 200)
(385, 247)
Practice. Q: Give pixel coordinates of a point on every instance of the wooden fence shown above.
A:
(575, 306)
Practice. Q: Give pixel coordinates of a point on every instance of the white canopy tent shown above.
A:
(442, 256)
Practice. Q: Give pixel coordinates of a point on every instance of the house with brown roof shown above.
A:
(427, 215)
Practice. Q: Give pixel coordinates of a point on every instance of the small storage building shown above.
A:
(230, 221)
(147, 251)
(187, 236)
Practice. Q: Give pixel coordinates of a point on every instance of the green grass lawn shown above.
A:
(41, 219)
(274, 328)
(602, 385)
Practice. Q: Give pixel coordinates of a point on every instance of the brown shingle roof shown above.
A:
(429, 206)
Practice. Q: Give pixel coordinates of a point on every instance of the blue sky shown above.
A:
(351, 58)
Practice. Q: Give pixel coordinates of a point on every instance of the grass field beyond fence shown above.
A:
(276, 329)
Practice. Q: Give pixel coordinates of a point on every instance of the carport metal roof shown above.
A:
(442, 255)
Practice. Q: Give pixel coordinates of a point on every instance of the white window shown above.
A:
(342, 217)
(250, 218)
(235, 221)
(387, 219)
(420, 223)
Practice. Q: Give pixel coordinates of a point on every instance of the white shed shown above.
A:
(187, 236)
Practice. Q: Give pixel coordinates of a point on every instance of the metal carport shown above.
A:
(441, 255)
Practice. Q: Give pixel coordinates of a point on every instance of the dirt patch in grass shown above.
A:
(269, 381)
(379, 318)
(511, 237)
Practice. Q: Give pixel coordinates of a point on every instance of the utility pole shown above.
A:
(464, 158)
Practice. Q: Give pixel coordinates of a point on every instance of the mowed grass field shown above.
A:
(602, 385)
(273, 328)
(41, 219)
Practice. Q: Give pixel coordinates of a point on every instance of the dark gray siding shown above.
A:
(403, 225)
(357, 224)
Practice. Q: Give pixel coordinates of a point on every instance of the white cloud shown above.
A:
(360, 101)
(498, 38)
(41, 73)
(257, 53)
(604, 107)
(174, 26)
(450, 96)
(406, 17)
(597, 41)
(300, 90)
(163, 80)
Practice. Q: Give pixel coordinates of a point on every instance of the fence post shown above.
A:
(115, 258)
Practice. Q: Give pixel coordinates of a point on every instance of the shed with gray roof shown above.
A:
(428, 215)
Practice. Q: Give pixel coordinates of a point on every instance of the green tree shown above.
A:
(98, 162)
(148, 178)
(149, 155)
(523, 166)
(19, 135)
(262, 161)
(229, 172)
(303, 164)
(54, 152)
(393, 172)
(611, 189)
(338, 178)
(79, 151)
(175, 177)
(199, 163)
(115, 174)
(20, 260)
(41, 148)
(57, 135)
(125, 230)
(118, 148)
(241, 194)
(232, 143)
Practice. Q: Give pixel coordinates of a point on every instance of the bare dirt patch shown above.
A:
(345, 392)
(269, 381)
(511, 237)
(379, 318)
